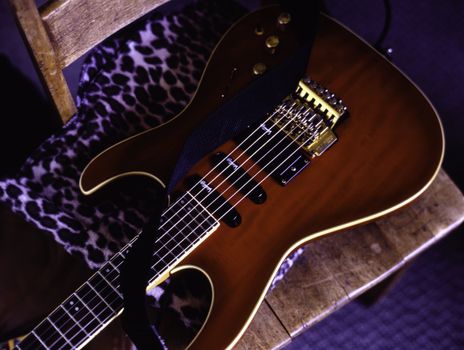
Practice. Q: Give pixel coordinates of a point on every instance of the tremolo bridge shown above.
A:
(298, 129)
(309, 116)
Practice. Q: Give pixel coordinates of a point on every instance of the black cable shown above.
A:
(387, 52)
(378, 44)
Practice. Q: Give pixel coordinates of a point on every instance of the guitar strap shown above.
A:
(253, 102)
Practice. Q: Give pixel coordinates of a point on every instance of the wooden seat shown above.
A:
(338, 268)
(61, 31)
(64, 30)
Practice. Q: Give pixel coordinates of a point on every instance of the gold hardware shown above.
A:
(284, 18)
(259, 69)
(308, 92)
(259, 30)
(326, 139)
(310, 114)
(272, 41)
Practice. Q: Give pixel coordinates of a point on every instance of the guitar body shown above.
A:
(388, 152)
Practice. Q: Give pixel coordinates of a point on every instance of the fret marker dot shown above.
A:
(76, 308)
(71, 302)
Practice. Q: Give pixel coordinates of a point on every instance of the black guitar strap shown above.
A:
(251, 103)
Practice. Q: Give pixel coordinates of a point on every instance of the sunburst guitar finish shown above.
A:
(388, 152)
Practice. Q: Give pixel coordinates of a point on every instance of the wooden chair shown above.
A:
(61, 31)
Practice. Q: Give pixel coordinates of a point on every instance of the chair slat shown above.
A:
(43, 51)
(75, 26)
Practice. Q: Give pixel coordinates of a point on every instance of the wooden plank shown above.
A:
(307, 293)
(44, 56)
(432, 216)
(264, 332)
(357, 257)
(336, 269)
(445, 205)
(75, 26)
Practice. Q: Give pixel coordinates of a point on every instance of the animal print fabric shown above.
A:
(135, 80)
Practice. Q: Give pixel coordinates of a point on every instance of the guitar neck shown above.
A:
(99, 300)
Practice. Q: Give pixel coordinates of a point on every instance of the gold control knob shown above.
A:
(259, 30)
(272, 41)
(259, 69)
(284, 18)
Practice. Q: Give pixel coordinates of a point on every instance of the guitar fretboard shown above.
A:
(99, 300)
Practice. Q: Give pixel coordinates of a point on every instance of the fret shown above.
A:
(196, 216)
(102, 298)
(209, 219)
(126, 251)
(162, 255)
(111, 274)
(95, 303)
(87, 321)
(167, 248)
(117, 260)
(107, 280)
(175, 238)
(105, 293)
(40, 340)
(163, 247)
(30, 342)
(92, 298)
(99, 299)
(68, 325)
(52, 336)
(114, 266)
(168, 243)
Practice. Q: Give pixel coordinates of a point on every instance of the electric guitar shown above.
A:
(305, 170)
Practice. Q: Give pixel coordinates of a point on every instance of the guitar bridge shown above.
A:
(309, 116)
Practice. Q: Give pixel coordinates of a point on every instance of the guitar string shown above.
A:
(200, 224)
(256, 162)
(273, 161)
(261, 170)
(75, 324)
(277, 110)
(203, 221)
(234, 171)
(74, 327)
(242, 166)
(237, 191)
(210, 204)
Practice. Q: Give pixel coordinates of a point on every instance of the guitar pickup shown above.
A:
(213, 201)
(291, 168)
(235, 174)
(276, 153)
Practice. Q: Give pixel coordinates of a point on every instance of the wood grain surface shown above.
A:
(75, 26)
(43, 51)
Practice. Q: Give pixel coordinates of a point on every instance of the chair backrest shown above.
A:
(61, 31)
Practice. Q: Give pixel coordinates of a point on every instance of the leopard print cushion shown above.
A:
(133, 81)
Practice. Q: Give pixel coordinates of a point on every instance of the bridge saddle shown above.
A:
(309, 116)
